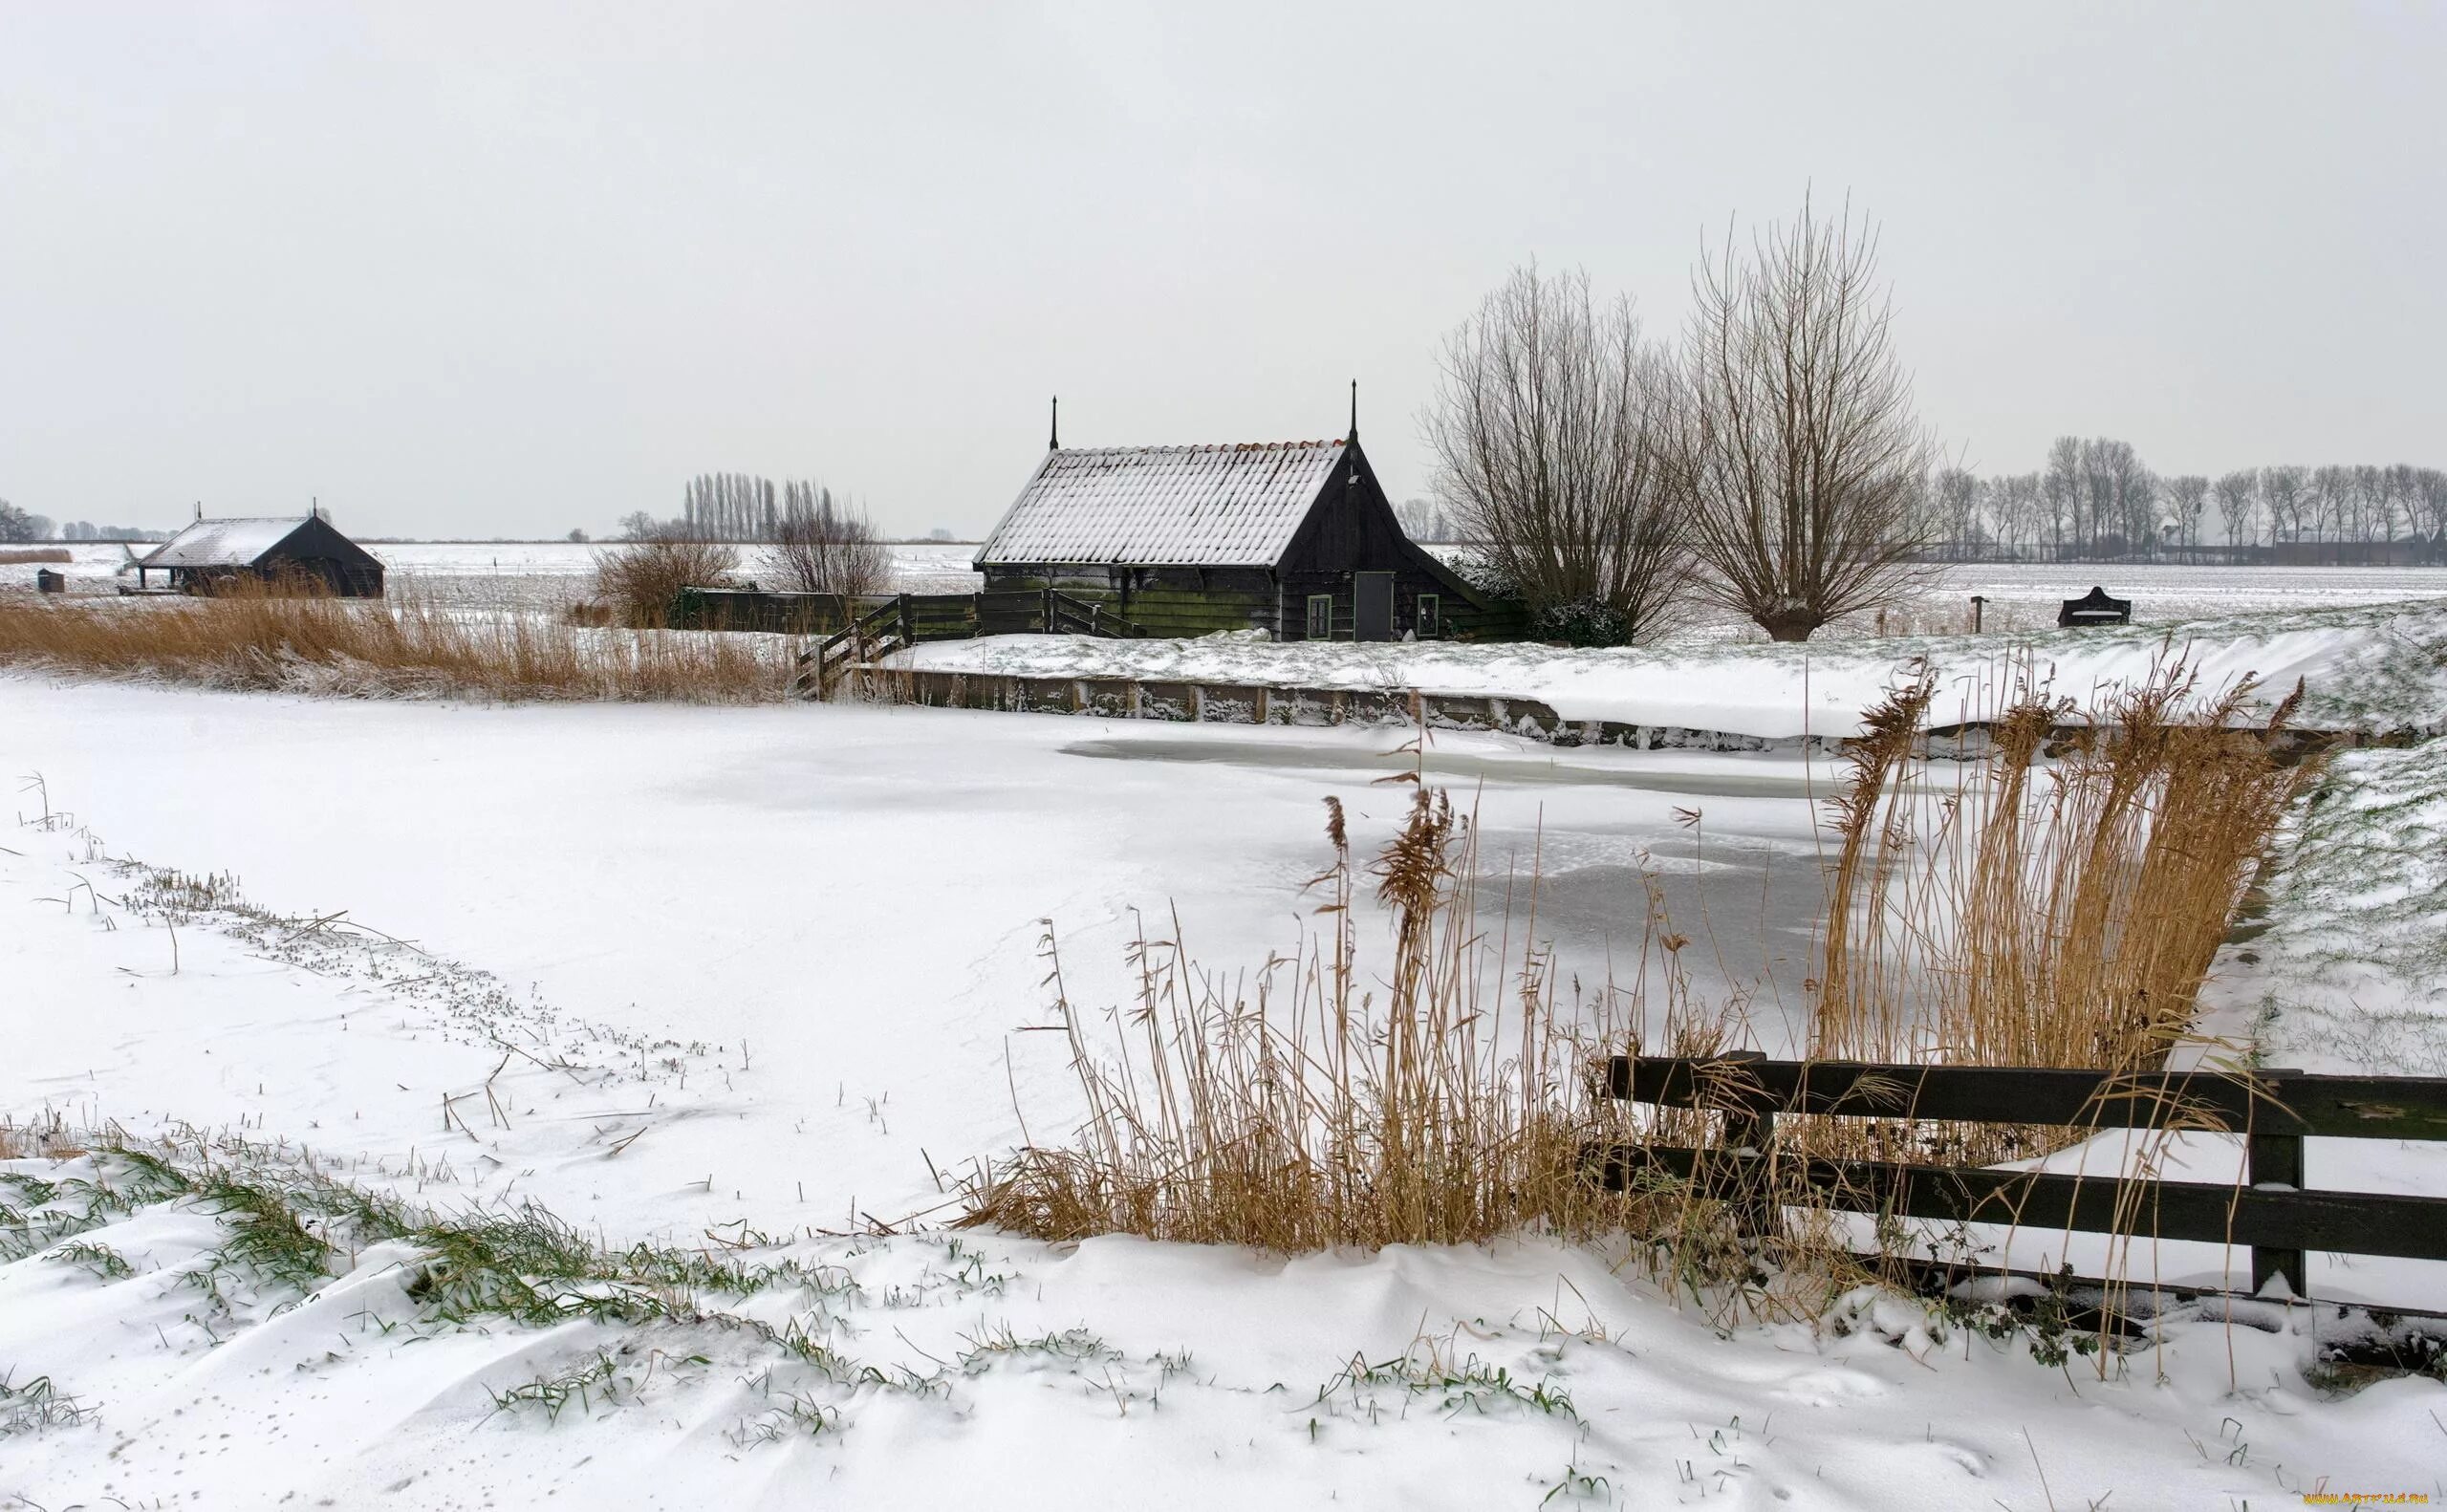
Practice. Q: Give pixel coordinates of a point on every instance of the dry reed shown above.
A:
(2060, 904)
(1298, 1110)
(2057, 904)
(254, 637)
(637, 580)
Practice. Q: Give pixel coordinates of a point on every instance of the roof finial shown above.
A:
(1053, 438)
(1355, 412)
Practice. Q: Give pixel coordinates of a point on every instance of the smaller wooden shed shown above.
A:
(296, 551)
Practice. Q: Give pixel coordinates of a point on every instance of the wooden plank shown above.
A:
(2337, 1222)
(2284, 1102)
(2275, 1160)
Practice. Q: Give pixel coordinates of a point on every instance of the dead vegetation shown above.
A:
(2059, 901)
(635, 581)
(253, 638)
(1301, 1109)
(2055, 903)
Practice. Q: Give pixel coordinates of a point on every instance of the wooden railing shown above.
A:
(877, 632)
(2273, 1110)
(907, 620)
(1066, 615)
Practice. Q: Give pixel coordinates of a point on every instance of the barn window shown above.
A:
(1321, 617)
(1430, 623)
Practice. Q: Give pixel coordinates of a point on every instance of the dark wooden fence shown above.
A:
(918, 616)
(877, 627)
(2273, 1110)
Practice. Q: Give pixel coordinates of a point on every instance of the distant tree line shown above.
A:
(742, 508)
(18, 527)
(87, 530)
(2095, 499)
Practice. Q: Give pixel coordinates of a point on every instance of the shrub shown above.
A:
(637, 580)
(827, 550)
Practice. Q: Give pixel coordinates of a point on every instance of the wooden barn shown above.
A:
(299, 551)
(1296, 538)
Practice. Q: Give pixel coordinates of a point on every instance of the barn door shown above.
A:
(1373, 606)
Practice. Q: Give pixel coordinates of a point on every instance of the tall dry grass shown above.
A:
(255, 639)
(2054, 901)
(1300, 1108)
(2059, 902)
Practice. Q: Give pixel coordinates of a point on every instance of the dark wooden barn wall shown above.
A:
(1160, 600)
(1351, 531)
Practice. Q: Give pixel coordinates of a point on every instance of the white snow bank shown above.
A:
(2377, 667)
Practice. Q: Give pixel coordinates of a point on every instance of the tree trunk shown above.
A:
(1789, 625)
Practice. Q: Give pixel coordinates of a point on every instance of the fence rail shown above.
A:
(878, 627)
(2273, 1110)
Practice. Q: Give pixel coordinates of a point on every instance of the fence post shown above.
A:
(908, 622)
(1747, 1126)
(2274, 1159)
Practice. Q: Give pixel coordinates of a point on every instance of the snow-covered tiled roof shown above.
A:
(223, 542)
(1164, 505)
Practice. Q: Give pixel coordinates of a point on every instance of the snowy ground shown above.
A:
(678, 970)
(2379, 667)
(539, 576)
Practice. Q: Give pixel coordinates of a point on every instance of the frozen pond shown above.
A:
(857, 890)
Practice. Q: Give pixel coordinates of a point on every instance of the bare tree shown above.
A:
(2282, 489)
(1958, 507)
(2187, 500)
(2238, 506)
(1548, 423)
(2018, 507)
(823, 546)
(1422, 520)
(1802, 464)
(2429, 493)
(2062, 486)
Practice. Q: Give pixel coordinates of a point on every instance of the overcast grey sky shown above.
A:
(499, 269)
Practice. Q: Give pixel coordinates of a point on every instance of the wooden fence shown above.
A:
(2273, 1110)
(922, 616)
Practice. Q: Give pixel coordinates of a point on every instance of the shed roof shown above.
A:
(224, 543)
(1232, 505)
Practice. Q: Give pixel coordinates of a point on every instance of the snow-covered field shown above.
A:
(540, 576)
(679, 970)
